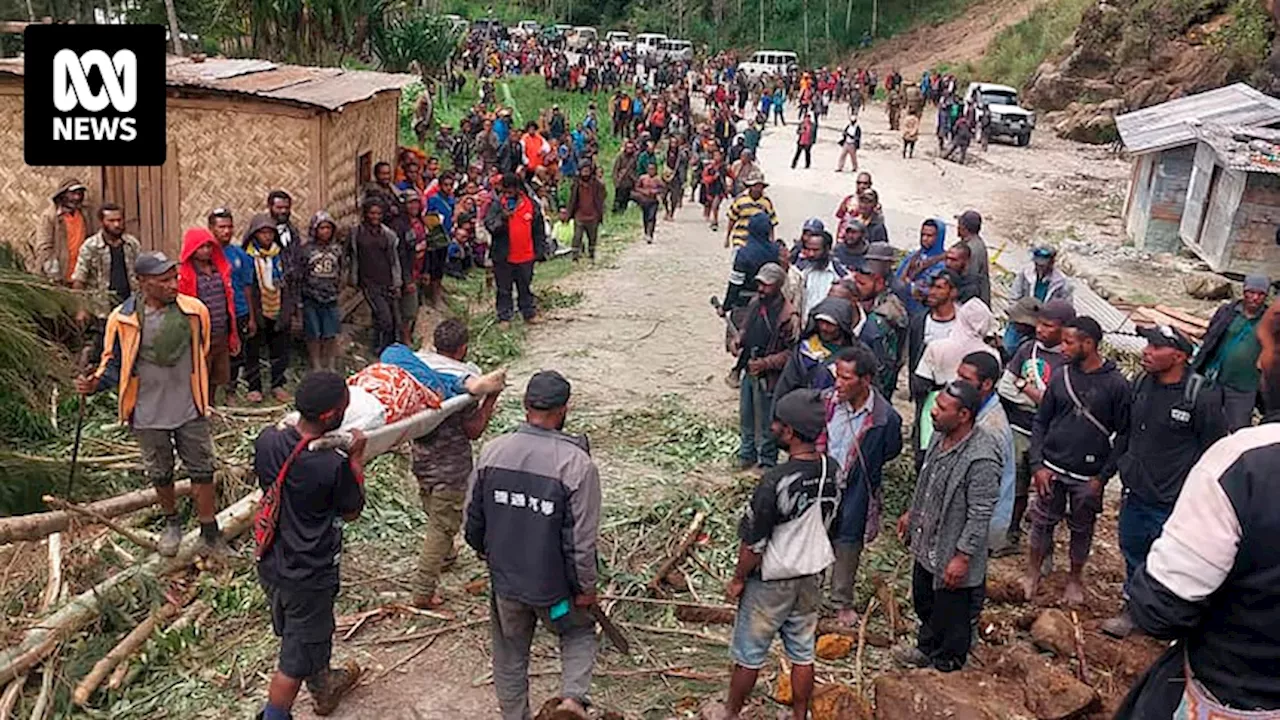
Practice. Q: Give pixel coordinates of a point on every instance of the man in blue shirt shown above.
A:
(502, 126)
(222, 225)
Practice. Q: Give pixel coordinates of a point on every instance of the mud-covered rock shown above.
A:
(1051, 692)
(1052, 631)
(838, 702)
(833, 647)
(931, 695)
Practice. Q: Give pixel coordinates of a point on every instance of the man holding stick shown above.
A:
(155, 355)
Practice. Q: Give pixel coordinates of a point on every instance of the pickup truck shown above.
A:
(618, 40)
(674, 51)
(582, 37)
(1008, 118)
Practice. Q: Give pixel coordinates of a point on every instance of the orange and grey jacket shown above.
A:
(118, 365)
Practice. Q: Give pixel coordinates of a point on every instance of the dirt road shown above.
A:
(644, 328)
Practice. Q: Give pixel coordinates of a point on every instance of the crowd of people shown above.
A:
(820, 330)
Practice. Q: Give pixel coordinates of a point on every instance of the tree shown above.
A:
(172, 13)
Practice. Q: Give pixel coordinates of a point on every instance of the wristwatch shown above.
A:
(1020, 383)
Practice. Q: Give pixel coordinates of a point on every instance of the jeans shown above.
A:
(274, 337)
(1140, 525)
(511, 624)
(946, 629)
(756, 407)
(908, 148)
(776, 608)
(505, 275)
(238, 361)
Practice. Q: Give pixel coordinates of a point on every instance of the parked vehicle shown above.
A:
(489, 27)
(769, 62)
(582, 37)
(526, 29)
(618, 40)
(675, 50)
(1008, 117)
(647, 43)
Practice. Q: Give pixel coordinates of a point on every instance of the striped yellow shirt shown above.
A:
(741, 210)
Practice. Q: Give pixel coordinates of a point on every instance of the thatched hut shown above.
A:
(237, 129)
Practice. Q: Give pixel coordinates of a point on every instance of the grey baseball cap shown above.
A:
(152, 263)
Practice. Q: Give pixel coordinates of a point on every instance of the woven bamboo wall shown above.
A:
(25, 190)
(366, 127)
(232, 157)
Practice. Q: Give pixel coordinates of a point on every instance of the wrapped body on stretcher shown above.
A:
(404, 396)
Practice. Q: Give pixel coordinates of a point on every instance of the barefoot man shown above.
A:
(1083, 418)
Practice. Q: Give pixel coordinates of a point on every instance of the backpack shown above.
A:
(800, 547)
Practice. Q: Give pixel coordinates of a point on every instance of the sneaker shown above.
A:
(911, 656)
(1120, 626)
(328, 688)
(170, 539)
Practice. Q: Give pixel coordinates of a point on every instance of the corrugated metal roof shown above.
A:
(1172, 123)
(323, 87)
(1241, 148)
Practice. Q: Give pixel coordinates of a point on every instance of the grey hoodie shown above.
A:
(320, 265)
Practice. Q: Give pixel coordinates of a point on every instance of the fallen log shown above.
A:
(39, 641)
(53, 588)
(134, 537)
(38, 525)
(120, 653)
(711, 615)
(674, 560)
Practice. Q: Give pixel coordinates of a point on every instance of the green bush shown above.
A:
(1014, 54)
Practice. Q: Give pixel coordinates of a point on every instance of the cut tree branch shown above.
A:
(130, 535)
(690, 537)
(38, 525)
(81, 610)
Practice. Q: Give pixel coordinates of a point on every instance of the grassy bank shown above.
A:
(469, 298)
(1014, 54)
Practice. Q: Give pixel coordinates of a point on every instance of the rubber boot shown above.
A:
(328, 688)
(171, 538)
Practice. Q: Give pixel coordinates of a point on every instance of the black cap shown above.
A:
(547, 390)
(1167, 336)
(318, 393)
(1088, 326)
(1059, 311)
(803, 411)
(152, 263)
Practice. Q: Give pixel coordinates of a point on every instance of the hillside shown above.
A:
(1126, 57)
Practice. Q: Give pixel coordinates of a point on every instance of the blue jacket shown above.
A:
(864, 469)
(242, 276)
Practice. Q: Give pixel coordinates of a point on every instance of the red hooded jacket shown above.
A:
(192, 240)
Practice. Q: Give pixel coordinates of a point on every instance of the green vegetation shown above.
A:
(1014, 54)
(1247, 38)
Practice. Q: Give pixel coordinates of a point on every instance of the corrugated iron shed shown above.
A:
(1172, 123)
(1240, 148)
(322, 87)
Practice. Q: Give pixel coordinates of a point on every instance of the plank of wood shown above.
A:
(170, 180)
(1184, 316)
(1161, 319)
(132, 212)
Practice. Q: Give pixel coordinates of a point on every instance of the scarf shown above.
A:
(266, 265)
(169, 345)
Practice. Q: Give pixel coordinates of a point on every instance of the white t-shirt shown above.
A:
(817, 284)
(936, 330)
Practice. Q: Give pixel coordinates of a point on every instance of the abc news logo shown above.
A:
(94, 95)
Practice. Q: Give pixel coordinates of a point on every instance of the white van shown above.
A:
(769, 62)
(618, 39)
(675, 50)
(647, 43)
(582, 37)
